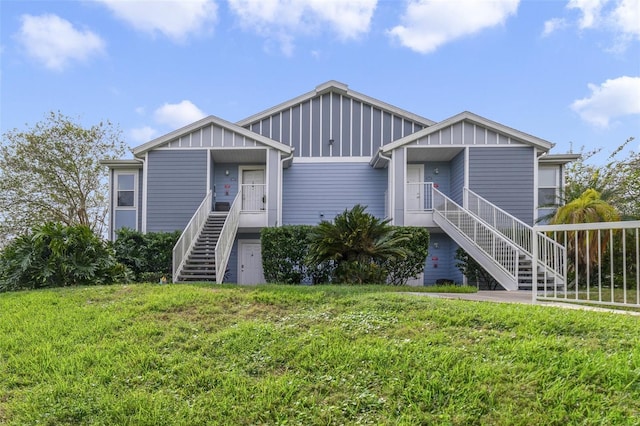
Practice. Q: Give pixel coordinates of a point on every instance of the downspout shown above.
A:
(281, 172)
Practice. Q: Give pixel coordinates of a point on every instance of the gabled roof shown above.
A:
(339, 88)
(208, 121)
(475, 119)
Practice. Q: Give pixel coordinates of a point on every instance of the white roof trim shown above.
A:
(144, 148)
(473, 118)
(336, 87)
(122, 164)
(558, 158)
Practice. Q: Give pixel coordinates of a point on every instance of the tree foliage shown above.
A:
(54, 255)
(52, 172)
(617, 180)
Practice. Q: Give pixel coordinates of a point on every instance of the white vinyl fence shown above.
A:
(602, 264)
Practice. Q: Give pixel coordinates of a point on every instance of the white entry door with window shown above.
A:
(250, 263)
(415, 187)
(253, 189)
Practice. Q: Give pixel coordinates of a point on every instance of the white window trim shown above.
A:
(116, 208)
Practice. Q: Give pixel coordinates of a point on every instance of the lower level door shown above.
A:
(250, 263)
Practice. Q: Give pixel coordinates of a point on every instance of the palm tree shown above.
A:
(357, 243)
(589, 207)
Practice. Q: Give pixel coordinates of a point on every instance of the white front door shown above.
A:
(250, 266)
(415, 187)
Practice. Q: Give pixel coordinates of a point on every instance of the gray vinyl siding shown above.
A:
(316, 191)
(176, 185)
(357, 128)
(441, 180)
(457, 178)
(226, 186)
(441, 263)
(504, 176)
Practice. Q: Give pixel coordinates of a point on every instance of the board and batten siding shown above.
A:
(357, 128)
(319, 191)
(176, 185)
(504, 176)
(465, 133)
(212, 136)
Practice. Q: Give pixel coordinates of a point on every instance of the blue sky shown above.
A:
(565, 71)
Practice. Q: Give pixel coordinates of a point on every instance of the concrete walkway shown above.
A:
(520, 296)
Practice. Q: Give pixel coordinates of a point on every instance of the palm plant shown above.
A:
(357, 243)
(583, 246)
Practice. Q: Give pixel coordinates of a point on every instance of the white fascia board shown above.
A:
(339, 88)
(122, 164)
(475, 119)
(144, 148)
(558, 158)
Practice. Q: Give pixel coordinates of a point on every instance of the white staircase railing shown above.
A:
(190, 235)
(503, 252)
(509, 226)
(227, 237)
(551, 256)
(419, 196)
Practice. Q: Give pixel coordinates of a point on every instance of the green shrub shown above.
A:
(401, 269)
(147, 255)
(475, 273)
(284, 253)
(54, 255)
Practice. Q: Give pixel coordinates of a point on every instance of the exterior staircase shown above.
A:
(500, 243)
(200, 263)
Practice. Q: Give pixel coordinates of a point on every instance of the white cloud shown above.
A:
(281, 20)
(174, 19)
(552, 25)
(590, 9)
(142, 134)
(428, 24)
(620, 17)
(178, 115)
(613, 98)
(627, 18)
(55, 42)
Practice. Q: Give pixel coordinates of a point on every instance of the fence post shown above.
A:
(534, 264)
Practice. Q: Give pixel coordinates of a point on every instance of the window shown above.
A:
(548, 183)
(126, 190)
(548, 190)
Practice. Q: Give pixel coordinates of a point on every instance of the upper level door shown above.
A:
(415, 187)
(253, 190)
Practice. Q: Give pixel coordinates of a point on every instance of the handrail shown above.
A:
(551, 256)
(508, 225)
(501, 249)
(426, 194)
(190, 234)
(227, 237)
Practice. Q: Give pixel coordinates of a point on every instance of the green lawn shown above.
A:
(196, 354)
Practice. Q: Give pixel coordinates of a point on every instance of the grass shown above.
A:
(314, 355)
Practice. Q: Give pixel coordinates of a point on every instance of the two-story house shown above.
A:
(471, 181)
